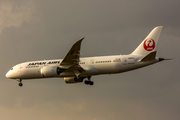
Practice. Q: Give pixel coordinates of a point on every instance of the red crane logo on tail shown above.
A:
(149, 44)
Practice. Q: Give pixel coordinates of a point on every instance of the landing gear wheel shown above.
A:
(20, 84)
(75, 79)
(91, 83)
(87, 82)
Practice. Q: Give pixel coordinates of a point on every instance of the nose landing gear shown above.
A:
(20, 82)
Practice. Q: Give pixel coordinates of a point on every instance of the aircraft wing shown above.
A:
(71, 60)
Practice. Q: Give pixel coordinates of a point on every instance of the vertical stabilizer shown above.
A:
(149, 44)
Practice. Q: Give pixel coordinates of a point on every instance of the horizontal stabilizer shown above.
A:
(148, 57)
(162, 59)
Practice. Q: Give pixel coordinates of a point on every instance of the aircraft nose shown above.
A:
(8, 74)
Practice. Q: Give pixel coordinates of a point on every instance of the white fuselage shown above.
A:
(91, 65)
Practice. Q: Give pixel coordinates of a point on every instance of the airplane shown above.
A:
(75, 69)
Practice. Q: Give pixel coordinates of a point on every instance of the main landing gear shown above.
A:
(89, 82)
(20, 82)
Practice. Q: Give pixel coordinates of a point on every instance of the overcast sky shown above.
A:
(46, 29)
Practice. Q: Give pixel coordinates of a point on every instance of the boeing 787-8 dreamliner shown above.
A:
(75, 69)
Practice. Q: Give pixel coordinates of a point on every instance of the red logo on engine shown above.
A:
(149, 44)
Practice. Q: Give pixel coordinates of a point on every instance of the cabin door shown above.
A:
(92, 62)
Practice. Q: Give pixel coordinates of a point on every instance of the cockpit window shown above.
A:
(11, 68)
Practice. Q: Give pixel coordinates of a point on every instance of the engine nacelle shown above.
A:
(51, 71)
(71, 80)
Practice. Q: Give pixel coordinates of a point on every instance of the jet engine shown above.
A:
(51, 71)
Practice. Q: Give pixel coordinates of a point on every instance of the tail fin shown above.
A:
(149, 43)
